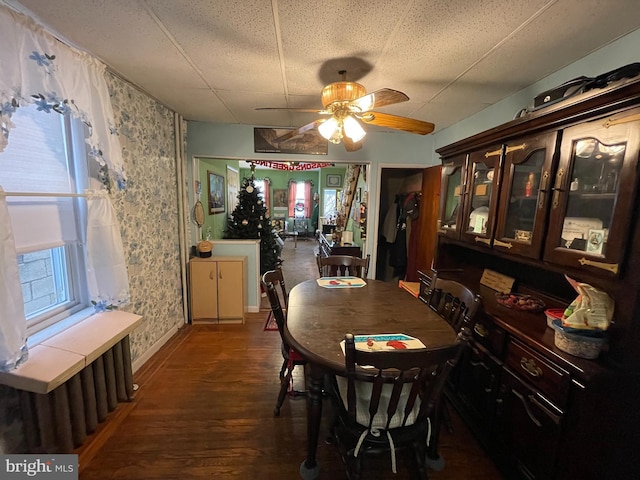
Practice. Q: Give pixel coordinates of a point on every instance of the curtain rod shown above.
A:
(41, 194)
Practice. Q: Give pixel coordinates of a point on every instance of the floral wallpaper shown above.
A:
(149, 222)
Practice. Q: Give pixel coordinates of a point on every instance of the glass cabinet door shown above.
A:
(481, 195)
(524, 195)
(451, 196)
(593, 193)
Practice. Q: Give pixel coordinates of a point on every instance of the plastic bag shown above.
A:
(591, 310)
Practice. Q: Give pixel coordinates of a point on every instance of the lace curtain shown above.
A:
(37, 68)
(13, 327)
(106, 267)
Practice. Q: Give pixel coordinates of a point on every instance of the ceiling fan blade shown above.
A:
(305, 110)
(350, 145)
(399, 123)
(379, 98)
(297, 131)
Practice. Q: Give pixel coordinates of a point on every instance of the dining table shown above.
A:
(320, 313)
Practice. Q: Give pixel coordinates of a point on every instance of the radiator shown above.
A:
(59, 421)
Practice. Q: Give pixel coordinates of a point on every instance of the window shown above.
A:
(260, 185)
(302, 202)
(47, 154)
(330, 202)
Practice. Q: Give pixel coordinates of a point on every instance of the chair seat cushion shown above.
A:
(295, 356)
(363, 396)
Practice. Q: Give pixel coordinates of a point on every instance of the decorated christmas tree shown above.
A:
(250, 220)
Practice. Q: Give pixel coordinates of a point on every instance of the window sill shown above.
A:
(56, 359)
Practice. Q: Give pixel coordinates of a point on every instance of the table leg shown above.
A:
(309, 469)
(295, 240)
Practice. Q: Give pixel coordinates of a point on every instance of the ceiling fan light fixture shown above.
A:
(353, 129)
(364, 104)
(330, 129)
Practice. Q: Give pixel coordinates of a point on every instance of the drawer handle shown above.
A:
(526, 407)
(555, 418)
(211, 275)
(529, 366)
(479, 364)
(481, 330)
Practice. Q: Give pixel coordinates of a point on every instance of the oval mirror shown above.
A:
(198, 213)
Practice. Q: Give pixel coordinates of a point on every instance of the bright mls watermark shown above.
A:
(50, 467)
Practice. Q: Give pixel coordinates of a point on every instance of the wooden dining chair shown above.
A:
(272, 281)
(388, 406)
(453, 301)
(457, 305)
(361, 266)
(342, 265)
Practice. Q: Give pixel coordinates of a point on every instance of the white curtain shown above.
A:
(37, 68)
(106, 268)
(13, 325)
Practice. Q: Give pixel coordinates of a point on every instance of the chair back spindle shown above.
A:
(342, 265)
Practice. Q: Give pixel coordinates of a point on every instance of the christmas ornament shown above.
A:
(245, 222)
(249, 189)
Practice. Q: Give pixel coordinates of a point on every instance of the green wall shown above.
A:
(218, 221)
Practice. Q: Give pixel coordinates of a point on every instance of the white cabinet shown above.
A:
(217, 289)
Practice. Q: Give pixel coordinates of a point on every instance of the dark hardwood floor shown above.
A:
(204, 409)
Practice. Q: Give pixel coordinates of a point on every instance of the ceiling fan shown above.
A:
(347, 104)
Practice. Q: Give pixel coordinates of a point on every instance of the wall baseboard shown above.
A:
(140, 361)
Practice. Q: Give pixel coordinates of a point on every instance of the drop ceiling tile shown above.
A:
(235, 47)
(199, 104)
(559, 35)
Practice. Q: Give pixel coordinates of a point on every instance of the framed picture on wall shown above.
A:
(232, 189)
(217, 193)
(280, 198)
(269, 140)
(334, 180)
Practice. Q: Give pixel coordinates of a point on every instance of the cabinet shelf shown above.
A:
(593, 195)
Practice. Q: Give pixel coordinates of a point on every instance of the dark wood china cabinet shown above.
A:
(593, 193)
(549, 194)
(453, 188)
(481, 197)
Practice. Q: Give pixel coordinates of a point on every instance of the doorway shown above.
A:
(396, 185)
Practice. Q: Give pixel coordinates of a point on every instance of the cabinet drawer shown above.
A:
(546, 376)
(486, 333)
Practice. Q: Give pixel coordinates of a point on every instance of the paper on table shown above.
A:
(341, 282)
(391, 341)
